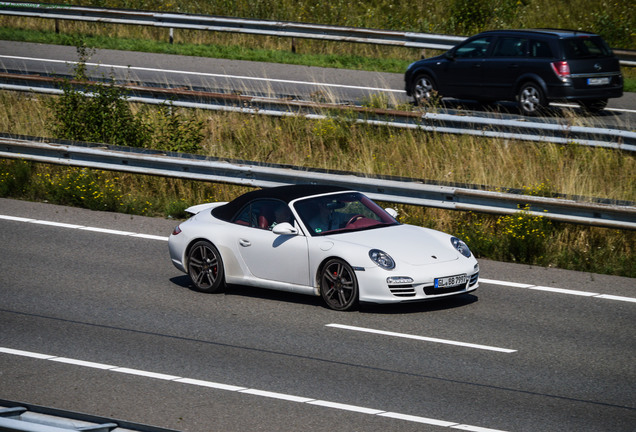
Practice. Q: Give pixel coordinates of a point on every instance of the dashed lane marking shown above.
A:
(249, 391)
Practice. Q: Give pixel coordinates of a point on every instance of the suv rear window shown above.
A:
(585, 47)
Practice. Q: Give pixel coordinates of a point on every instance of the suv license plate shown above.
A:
(451, 281)
(598, 81)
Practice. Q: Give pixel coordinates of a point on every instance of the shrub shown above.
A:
(101, 113)
(169, 130)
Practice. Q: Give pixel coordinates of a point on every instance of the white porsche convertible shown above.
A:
(320, 240)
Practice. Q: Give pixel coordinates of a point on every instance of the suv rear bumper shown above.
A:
(570, 93)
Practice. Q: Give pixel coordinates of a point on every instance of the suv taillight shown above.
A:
(561, 69)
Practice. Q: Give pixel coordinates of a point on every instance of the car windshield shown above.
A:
(351, 211)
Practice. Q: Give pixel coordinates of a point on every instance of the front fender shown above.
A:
(411, 75)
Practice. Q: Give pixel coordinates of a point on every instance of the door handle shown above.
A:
(245, 243)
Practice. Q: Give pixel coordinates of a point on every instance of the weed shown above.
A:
(172, 130)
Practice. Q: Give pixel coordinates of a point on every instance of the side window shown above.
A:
(244, 217)
(540, 49)
(476, 48)
(264, 214)
(511, 47)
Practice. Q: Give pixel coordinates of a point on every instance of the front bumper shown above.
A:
(374, 287)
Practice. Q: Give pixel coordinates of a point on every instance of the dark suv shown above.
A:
(532, 67)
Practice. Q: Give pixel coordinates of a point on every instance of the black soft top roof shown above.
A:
(282, 193)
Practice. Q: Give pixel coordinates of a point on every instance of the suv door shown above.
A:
(462, 75)
(508, 61)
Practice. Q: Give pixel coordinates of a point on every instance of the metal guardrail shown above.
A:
(21, 417)
(247, 26)
(389, 189)
(539, 131)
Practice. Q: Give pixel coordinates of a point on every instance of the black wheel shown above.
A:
(205, 267)
(338, 285)
(424, 89)
(531, 99)
(594, 106)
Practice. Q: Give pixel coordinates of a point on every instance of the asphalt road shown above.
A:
(510, 357)
(265, 79)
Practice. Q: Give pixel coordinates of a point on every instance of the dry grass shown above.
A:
(339, 144)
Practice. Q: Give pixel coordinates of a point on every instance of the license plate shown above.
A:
(598, 81)
(451, 281)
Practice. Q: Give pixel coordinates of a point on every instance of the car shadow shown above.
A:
(419, 307)
(464, 107)
(365, 308)
(254, 292)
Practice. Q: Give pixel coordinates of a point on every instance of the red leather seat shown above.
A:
(265, 217)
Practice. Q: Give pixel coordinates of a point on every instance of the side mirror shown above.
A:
(392, 212)
(284, 228)
(450, 55)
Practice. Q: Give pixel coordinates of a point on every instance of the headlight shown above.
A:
(460, 246)
(382, 259)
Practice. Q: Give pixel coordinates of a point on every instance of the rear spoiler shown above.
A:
(200, 207)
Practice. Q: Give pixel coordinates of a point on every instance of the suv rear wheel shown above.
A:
(531, 99)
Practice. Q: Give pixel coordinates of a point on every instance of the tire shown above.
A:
(594, 106)
(531, 99)
(339, 285)
(205, 267)
(424, 89)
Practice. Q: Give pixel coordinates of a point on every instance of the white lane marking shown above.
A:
(84, 228)
(421, 338)
(83, 363)
(15, 218)
(106, 231)
(566, 105)
(417, 419)
(162, 238)
(558, 290)
(564, 291)
(346, 407)
(210, 384)
(57, 224)
(510, 284)
(149, 236)
(207, 74)
(144, 373)
(275, 395)
(619, 298)
(474, 428)
(26, 353)
(253, 392)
